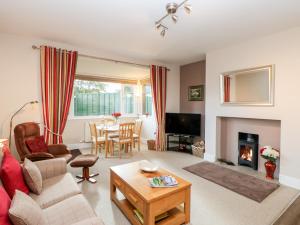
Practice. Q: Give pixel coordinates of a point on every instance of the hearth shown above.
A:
(248, 150)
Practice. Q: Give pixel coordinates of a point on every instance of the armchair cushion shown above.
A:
(11, 175)
(58, 149)
(39, 156)
(25, 211)
(4, 207)
(37, 144)
(32, 176)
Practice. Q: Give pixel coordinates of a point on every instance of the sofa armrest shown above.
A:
(58, 149)
(52, 167)
(90, 221)
(39, 156)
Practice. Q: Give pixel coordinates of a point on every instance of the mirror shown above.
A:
(254, 86)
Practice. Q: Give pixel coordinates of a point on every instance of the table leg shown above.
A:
(149, 218)
(187, 205)
(112, 188)
(106, 144)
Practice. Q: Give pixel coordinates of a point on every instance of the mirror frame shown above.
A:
(270, 69)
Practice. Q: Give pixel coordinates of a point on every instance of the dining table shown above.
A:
(108, 129)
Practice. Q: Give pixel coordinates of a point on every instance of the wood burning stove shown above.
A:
(248, 150)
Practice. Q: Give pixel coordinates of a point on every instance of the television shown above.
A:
(183, 123)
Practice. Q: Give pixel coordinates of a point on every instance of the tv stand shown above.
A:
(180, 142)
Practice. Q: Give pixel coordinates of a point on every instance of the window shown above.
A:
(147, 100)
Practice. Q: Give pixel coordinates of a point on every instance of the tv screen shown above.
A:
(183, 123)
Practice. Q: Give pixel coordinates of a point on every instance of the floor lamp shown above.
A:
(11, 119)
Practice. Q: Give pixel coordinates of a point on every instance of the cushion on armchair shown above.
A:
(32, 176)
(37, 144)
(4, 207)
(11, 175)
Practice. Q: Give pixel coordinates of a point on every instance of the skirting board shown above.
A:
(209, 157)
(289, 181)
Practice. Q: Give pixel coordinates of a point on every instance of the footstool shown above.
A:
(85, 161)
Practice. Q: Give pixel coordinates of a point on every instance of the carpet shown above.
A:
(75, 153)
(243, 184)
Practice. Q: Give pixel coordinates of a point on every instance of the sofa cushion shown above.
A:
(4, 207)
(91, 221)
(56, 189)
(11, 175)
(25, 211)
(69, 211)
(37, 144)
(32, 176)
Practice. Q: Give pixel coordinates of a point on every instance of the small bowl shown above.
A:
(148, 167)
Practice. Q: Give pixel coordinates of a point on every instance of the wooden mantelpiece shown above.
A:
(151, 202)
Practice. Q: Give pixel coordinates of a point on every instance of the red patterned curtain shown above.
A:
(57, 78)
(159, 86)
(226, 89)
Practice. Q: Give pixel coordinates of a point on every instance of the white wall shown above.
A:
(283, 50)
(19, 78)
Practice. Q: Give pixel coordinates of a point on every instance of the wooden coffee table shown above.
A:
(151, 202)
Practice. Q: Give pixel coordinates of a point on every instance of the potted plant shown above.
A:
(271, 155)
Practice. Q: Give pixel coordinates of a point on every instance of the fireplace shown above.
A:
(248, 150)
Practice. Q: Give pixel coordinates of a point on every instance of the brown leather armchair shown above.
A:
(25, 131)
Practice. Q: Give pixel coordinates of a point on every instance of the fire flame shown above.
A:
(247, 155)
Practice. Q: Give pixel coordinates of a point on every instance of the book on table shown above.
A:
(163, 181)
(158, 218)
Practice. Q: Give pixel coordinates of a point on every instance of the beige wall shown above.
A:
(19, 78)
(191, 75)
(282, 50)
(268, 131)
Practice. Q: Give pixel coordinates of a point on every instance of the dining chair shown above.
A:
(97, 140)
(125, 137)
(137, 133)
(111, 122)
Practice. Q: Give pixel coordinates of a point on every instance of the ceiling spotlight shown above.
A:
(171, 9)
(157, 25)
(174, 18)
(188, 8)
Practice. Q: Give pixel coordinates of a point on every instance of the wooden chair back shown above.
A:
(126, 131)
(138, 127)
(93, 130)
(110, 121)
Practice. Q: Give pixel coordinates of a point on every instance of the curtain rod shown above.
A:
(106, 59)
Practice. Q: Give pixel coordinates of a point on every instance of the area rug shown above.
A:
(243, 184)
(75, 153)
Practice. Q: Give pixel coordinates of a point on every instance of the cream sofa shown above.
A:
(61, 200)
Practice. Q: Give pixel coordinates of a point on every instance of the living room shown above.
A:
(195, 53)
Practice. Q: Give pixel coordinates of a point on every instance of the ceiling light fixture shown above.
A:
(171, 9)
(174, 18)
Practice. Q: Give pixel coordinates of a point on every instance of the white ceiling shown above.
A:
(126, 27)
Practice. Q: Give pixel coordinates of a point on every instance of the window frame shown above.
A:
(123, 82)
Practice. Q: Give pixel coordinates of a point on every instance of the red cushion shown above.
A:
(11, 175)
(37, 144)
(4, 207)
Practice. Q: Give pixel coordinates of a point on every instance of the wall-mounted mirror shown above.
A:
(254, 86)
